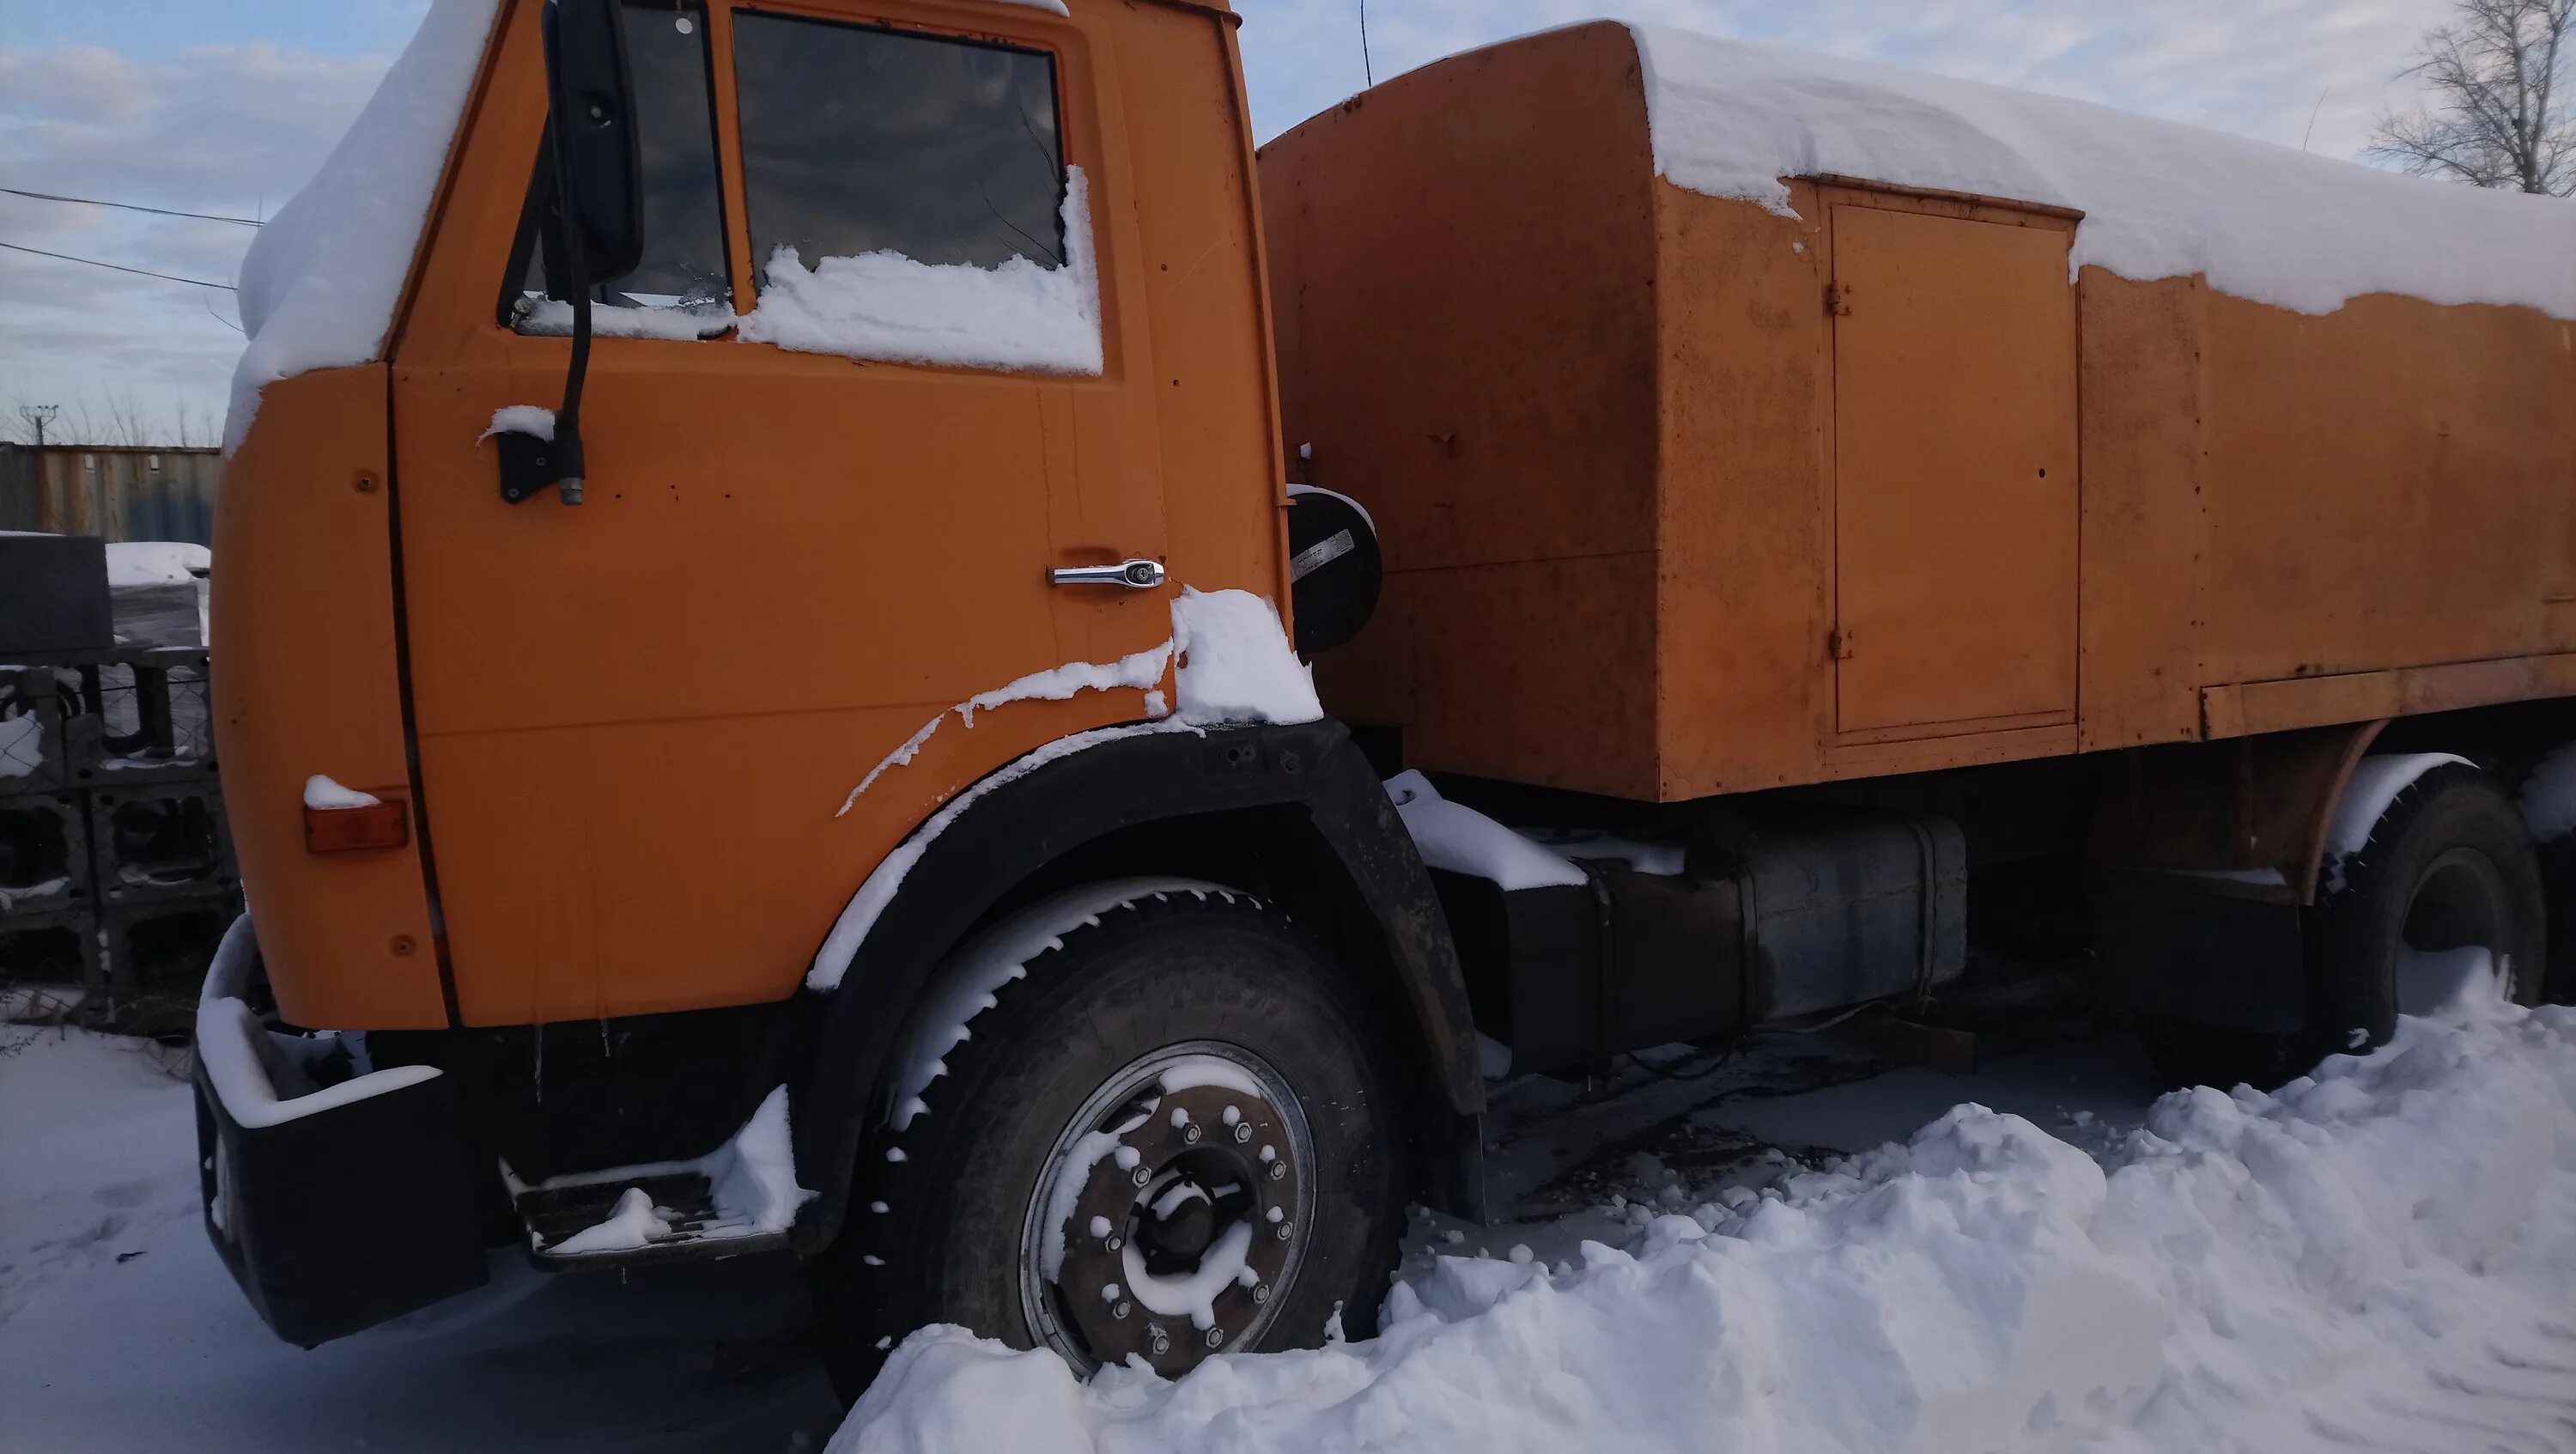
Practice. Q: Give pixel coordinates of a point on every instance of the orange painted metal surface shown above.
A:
(1649, 532)
(637, 719)
(304, 629)
(1954, 470)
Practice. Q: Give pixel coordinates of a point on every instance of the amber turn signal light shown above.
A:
(340, 830)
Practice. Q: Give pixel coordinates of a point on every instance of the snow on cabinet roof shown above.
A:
(2160, 199)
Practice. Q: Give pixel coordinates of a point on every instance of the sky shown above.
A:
(228, 108)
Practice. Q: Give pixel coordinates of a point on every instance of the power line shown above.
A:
(120, 267)
(127, 206)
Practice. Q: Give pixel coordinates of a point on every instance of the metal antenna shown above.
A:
(1368, 73)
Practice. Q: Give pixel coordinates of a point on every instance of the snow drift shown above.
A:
(2388, 1246)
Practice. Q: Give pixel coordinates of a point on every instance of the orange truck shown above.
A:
(756, 607)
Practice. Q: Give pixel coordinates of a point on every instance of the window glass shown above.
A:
(857, 139)
(681, 289)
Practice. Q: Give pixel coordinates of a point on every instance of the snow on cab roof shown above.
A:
(2160, 199)
(320, 282)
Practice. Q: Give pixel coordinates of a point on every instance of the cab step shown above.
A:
(692, 1227)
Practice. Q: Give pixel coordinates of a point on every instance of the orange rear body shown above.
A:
(1718, 500)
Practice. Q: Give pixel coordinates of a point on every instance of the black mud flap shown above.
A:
(339, 1219)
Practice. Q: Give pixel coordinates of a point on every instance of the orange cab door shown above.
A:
(638, 718)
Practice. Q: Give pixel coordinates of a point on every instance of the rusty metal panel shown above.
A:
(1955, 491)
(116, 492)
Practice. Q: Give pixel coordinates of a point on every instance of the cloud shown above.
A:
(225, 129)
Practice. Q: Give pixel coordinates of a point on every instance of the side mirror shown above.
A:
(597, 228)
(598, 172)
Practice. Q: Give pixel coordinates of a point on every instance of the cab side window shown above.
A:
(682, 289)
(859, 139)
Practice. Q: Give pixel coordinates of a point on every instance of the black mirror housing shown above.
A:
(598, 169)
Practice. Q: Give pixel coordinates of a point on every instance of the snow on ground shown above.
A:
(2383, 1256)
(156, 562)
(121, 1333)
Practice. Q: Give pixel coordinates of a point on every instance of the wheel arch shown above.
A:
(2205, 856)
(1290, 813)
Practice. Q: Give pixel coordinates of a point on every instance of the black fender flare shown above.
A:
(1030, 820)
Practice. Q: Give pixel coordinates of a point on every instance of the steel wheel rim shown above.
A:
(1068, 1312)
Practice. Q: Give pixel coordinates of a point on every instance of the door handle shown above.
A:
(1135, 575)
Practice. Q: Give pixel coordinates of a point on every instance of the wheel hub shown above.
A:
(1182, 1186)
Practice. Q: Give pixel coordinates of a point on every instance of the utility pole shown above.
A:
(37, 417)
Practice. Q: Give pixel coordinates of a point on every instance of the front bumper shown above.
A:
(336, 1207)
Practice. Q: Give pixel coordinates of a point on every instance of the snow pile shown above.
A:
(1236, 663)
(1460, 839)
(752, 1179)
(755, 1173)
(320, 282)
(2548, 796)
(2160, 199)
(544, 317)
(324, 795)
(156, 563)
(2374, 784)
(1138, 670)
(1236, 666)
(1243, 671)
(533, 419)
(2386, 1249)
(883, 305)
(634, 1222)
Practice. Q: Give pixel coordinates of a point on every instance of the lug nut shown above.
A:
(1190, 1133)
(1114, 1243)
(1260, 1292)
(1157, 1339)
(1140, 1176)
(1242, 1130)
(1120, 1310)
(1215, 1336)
(1283, 1231)
(1278, 1170)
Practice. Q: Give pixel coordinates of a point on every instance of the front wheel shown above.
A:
(1174, 1133)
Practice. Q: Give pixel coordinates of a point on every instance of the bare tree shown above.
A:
(2498, 117)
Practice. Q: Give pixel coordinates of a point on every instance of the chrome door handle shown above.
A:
(1135, 575)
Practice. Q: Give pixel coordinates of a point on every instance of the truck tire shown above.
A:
(2448, 866)
(1177, 1133)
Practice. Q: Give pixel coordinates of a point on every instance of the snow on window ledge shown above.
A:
(552, 318)
(890, 308)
